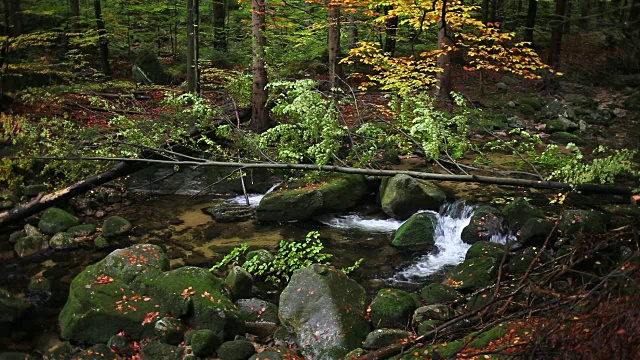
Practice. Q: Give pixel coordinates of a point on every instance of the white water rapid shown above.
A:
(254, 199)
(354, 221)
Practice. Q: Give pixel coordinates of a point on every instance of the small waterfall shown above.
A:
(254, 199)
(354, 221)
(451, 250)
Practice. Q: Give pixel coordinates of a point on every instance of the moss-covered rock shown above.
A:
(30, 245)
(472, 274)
(519, 211)
(402, 196)
(18, 355)
(586, 221)
(438, 293)
(30, 230)
(154, 72)
(101, 242)
(240, 282)
(82, 230)
(484, 249)
(63, 240)
(268, 355)
(230, 213)
(169, 330)
(160, 351)
(534, 232)
(521, 261)
(204, 342)
(115, 226)
(15, 236)
(326, 310)
(428, 325)
(486, 222)
(261, 256)
(55, 220)
(236, 350)
(417, 233)
(392, 308)
(96, 352)
(563, 138)
(433, 312)
(560, 124)
(384, 337)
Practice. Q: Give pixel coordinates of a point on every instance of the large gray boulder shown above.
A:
(333, 196)
(402, 196)
(55, 220)
(417, 233)
(326, 310)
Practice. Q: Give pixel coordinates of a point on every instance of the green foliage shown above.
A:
(291, 256)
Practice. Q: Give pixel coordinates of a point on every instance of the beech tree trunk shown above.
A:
(353, 31)
(219, 25)
(444, 59)
(104, 41)
(391, 32)
(335, 72)
(530, 24)
(193, 73)
(259, 96)
(75, 14)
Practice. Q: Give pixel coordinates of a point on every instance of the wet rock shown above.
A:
(564, 138)
(229, 213)
(30, 245)
(392, 308)
(240, 282)
(439, 293)
(204, 342)
(520, 262)
(486, 222)
(384, 337)
(417, 233)
(156, 350)
(169, 330)
(484, 249)
(96, 352)
(326, 310)
(115, 226)
(267, 355)
(556, 108)
(82, 230)
(39, 289)
(534, 232)
(236, 350)
(439, 312)
(261, 256)
(402, 196)
(15, 236)
(56, 220)
(61, 351)
(63, 240)
(257, 310)
(560, 124)
(472, 274)
(31, 230)
(587, 221)
(428, 325)
(12, 308)
(519, 211)
(122, 345)
(101, 242)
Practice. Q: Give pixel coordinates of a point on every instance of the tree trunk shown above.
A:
(444, 59)
(555, 44)
(353, 31)
(391, 33)
(494, 11)
(13, 18)
(75, 15)
(219, 25)
(335, 72)
(193, 73)
(259, 96)
(531, 21)
(567, 17)
(485, 11)
(103, 40)
(585, 9)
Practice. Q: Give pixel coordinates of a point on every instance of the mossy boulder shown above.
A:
(63, 240)
(115, 226)
(417, 233)
(402, 196)
(586, 221)
(169, 330)
(15, 236)
(30, 245)
(268, 355)
(55, 220)
(204, 342)
(428, 325)
(230, 213)
(439, 312)
(521, 261)
(519, 211)
(472, 274)
(484, 249)
(240, 282)
(18, 355)
(486, 222)
(560, 124)
(384, 337)
(392, 308)
(101, 242)
(30, 230)
(563, 138)
(261, 256)
(96, 352)
(82, 230)
(160, 351)
(333, 196)
(326, 310)
(534, 232)
(154, 73)
(236, 350)
(438, 293)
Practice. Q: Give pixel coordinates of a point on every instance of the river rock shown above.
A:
(588, 221)
(257, 310)
(169, 330)
(326, 310)
(96, 352)
(556, 108)
(229, 213)
(336, 195)
(63, 240)
(261, 256)
(236, 350)
(11, 308)
(15, 236)
(55, 220)
(30, 230)
(240, 282)
(472, 274)
(19, 355)
(267, 355)
(486, 222)
(534, 232)
(402, 196)
(82, 230)
(417, 233)
(204, 342)
(115, 226)
(438, 293)
(564, 138)
(521, 262)
(519, 211)
(392, 308)
(484, 249)
(155, 350)
(384, 337)
(560, 123)
(439, 312)
(30, 245)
